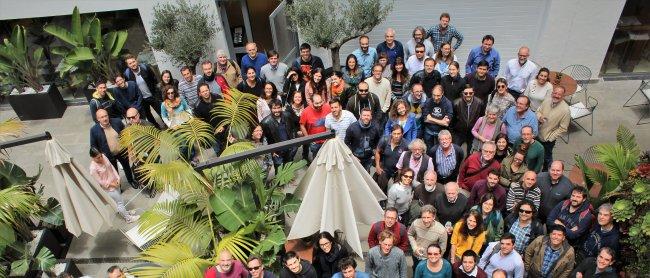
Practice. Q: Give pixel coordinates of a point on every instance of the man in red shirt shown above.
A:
(389, 223)
(477, 166)
(312, 121)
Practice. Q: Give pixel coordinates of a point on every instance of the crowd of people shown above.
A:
(465, 160)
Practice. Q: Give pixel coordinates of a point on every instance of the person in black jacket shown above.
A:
(428, 77)
(146, 80)
(279, 127)
(598, 267)
(453, 84)
(294, 267)
(207, 102)
(104, 136)
(364, 99)
(467, 110)
(327, 256)
(362, 137)
(442, 150)
(524, 225)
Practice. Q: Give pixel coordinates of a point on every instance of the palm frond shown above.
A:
(171, 260)
(238, 244)
(150, 144)
(15, 203)
(196, 132)
(626, 139)
(176, 174)
(11, 128)
(616, 159)
(287, 172)
(238, 111)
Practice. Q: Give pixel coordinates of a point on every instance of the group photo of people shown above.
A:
(461, 146)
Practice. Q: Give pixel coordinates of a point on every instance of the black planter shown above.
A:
(43, 105)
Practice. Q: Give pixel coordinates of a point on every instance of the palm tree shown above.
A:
(232, 207)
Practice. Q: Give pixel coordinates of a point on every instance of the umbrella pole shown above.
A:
(136, 195)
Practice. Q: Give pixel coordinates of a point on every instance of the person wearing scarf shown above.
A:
(174, 110)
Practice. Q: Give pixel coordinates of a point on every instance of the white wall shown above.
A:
(559, 32)
(11, 9)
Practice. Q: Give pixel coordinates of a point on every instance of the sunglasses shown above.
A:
(254, 268)
(468, 93)
(419, 51)
(525, 211)
(407, 176)
(362, 90)
(131, 117)
(501, 86)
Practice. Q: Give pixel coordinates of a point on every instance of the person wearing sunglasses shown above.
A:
(256, 268)
(467, 110)
(364, 99)
(400, 195)
(523, 224)
(501, 97)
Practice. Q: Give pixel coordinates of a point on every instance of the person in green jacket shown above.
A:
(535, 150)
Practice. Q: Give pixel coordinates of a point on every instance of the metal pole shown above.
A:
(26, 140)
(264, 150)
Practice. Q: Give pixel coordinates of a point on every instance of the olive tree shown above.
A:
(331, 23)
(183, 31)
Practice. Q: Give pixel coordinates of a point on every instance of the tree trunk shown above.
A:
(336, 60)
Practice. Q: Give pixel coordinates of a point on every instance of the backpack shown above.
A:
(583, 214)
(496, 249)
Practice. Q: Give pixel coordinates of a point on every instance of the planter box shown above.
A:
(47, 104)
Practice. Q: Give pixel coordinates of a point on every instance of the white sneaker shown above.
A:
(132, 219)
(133, 212)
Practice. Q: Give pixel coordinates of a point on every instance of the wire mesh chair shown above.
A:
(581, 74)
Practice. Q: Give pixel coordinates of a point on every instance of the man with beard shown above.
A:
(451, 206)
(555, 187)
(202, 111)
(364, 99)
(146, 80)
(527, 190)
(604, 234)
(551, 255)
(312, 121)
(105, 136)
(416, 160)
(425, 231)
(252, 59)
(534, 149)
(278, 127)
(477, 166)
(429, 77)
(482, 83)
(518, 116)
(274, 71)
(444, 32)
(227, 267)
(217, 83)
(489, 185)
(255, 266)
(187, 87)
(502, 255)
(426, 195)
(386, 260)
(574, 214)
(554, 117)
(380, 86)
(362, 137)
(467, 110)
(447, 157)
(437, 113)
(366, 55)
(338, 119)
(418, 37)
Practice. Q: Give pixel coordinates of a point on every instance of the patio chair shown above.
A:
(644, 89)
(581, 110)
(582, 75)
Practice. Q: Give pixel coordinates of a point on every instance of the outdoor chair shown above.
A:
(582, 75)
(579, 111)
(644, 89)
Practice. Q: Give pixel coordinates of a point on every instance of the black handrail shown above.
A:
(26, 140)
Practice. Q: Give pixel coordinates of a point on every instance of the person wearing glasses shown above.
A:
(501, 97)
(520, 71)
(434, 265)
(513, 168)
(328, 255)
(523, 224)
(477, 166)
(364, 99)
(415, 62)
(227, 267)
(418, 35)
(467, 110)
(416, 159)
(256, 268)
(400, 195)
(174, 109)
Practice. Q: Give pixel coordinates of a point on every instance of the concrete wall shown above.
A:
(10, 9)
(559, 32)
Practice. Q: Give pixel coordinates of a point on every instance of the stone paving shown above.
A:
(73, 130)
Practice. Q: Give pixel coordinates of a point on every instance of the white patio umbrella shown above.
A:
(337, 193)
(84, 204)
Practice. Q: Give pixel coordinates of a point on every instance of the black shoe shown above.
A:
(134, 184)
(152, 194)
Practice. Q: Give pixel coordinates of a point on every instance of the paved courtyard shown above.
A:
(95, 255)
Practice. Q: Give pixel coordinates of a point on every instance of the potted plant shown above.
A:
(626, 184)
(20, 67)
(88, 55)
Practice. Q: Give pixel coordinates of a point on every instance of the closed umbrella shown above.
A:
(337, 193)
(84, 204)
